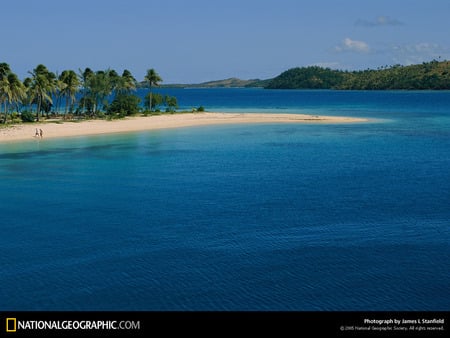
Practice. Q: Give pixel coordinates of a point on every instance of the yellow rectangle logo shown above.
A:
(11, 324)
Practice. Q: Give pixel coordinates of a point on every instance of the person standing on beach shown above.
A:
(41, 133)
(36, 134)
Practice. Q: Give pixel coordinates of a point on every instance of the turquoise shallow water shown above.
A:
(248, 217)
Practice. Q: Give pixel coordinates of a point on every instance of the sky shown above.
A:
(192, 41)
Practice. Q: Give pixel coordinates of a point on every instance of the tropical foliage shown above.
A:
(12, 90)
(42, 86)
(124, 104)
(153, 79)
(432, 75)
(159, 101)
(88, 93)
(69, 86)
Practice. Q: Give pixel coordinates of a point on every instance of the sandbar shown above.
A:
(23, 132)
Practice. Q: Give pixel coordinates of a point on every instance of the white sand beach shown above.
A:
(22, 132)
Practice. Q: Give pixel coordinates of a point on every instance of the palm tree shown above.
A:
(4, 69)
(59, 92)
(127, 83)
(71, 86)
(29, 97)
(152, 78)
(5, 95)
(113, 79)
(99, 86)
(84, 77)
(4, 85)
(17, 89)
(42, 87)
(12, 91)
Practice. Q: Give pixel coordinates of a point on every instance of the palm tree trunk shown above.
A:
(72, 103)
(83, 98)
(6, 112)
(67, 106)
(58, 106)
(150, 98)
(95, 106)
(38, 109)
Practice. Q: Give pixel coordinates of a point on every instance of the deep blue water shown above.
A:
(248, 217)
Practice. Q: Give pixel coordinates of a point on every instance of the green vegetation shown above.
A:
(171, 103)
(69, 84)
(124, 104)
(432, 75)
(12, 90)
(42, 85)
(87, 94)
(154, 104)
(159, 101)
(27, 116)
(152, 79)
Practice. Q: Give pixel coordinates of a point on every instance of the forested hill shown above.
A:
(431, 75)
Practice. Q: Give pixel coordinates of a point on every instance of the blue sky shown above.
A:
(191, 41)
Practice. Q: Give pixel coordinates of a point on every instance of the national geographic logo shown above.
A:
(11, 324)
(14, 325)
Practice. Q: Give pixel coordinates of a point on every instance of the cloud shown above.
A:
(349, 45)
(381, 21)
(419, 52)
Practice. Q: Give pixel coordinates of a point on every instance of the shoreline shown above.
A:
(24, 132)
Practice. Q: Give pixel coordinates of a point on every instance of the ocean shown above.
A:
(239, 217)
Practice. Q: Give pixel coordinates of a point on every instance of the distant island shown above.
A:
(432, 75)
(227, 83)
